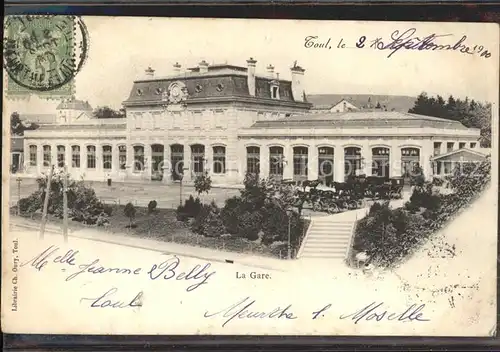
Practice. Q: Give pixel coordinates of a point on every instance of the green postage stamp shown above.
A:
(43, 54)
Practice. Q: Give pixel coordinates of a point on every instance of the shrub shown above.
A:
(438, 181)
(231, 213)
(275, 221)
(31, 204)
(107, 209)
(83, 204)
(417, 177)
(208, 222)
(424, 197)
(129, 212)
(388, 235)
(203, 183)
(249, 225)
(191, 207)
(152, 206)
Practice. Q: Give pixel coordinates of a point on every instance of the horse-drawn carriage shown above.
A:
(349, 195)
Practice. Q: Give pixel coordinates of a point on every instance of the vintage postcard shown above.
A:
(232, 176)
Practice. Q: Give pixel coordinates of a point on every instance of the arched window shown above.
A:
(219, 160)
(380, 162)
(325, 164)
(61, 155)
(33, 155)
(107, 157)
(276, 158)
(47, 155)
(122, 156)
(300, 160)
(253, 160)
(157, 157)
(138, 158)
(91, 157)
(352, 161)
(177, 161)
(75, 156)
(410, 160)
(198, 158)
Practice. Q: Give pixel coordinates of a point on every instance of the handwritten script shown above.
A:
(248, 308)
(169, 269)
(407, 39)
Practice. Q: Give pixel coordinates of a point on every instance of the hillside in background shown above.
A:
(397, 102)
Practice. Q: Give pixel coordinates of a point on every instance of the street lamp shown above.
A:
(181, 176)
(289, 213)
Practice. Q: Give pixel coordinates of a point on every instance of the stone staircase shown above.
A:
(327, 238)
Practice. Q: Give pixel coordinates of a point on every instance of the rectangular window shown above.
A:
(461, 145)
(437, 148)
(107, 157)
(47, 155)
(91, 157)
(274, 92)
(219, 160)
(473, 145)
(75, 156)
(33, 155)
(449, 146)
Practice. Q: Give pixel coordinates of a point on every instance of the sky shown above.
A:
(121, 48)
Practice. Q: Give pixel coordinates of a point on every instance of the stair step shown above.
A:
(322, 255)
(328, 239)
(332, 226)
(329, 235)
(330, 232)
(325, 249)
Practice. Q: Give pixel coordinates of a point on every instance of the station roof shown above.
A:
(361, 119)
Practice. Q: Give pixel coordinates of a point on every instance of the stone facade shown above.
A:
(227, 120)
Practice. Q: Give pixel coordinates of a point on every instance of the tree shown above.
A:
(105, 112)
(129, 212)
(468, 112)
(17, 127)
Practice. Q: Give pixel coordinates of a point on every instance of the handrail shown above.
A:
(351, 242)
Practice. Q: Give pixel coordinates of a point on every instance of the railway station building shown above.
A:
(227, 120)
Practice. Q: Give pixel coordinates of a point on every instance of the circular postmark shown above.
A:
(44, 53)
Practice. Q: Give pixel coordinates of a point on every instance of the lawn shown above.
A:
(162, 225)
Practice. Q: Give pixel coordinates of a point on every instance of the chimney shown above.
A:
(203, 65)
(270, 71)
(251, 76)
(297, 87)
(177, 68)
(150, 73)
